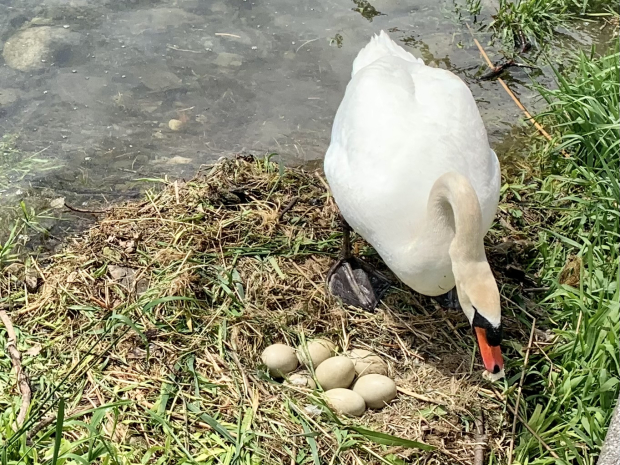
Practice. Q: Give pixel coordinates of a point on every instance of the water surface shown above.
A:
(241, 75)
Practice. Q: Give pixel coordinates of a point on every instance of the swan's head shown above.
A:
(479, 299)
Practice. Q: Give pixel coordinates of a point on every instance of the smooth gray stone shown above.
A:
(610, 454)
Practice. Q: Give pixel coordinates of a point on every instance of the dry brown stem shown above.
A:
(482, 440)
(22, 377)
(527, 114)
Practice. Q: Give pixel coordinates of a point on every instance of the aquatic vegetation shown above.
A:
(365, 8)
(519, 22)
(16, 165)
(8, 245)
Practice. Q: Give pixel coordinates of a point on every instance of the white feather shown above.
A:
(380, 46)
(401, 125)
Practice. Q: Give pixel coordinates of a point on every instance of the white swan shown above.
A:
(411, 170)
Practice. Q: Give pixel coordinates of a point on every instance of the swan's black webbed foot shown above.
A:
(448, 300)
(354, 281)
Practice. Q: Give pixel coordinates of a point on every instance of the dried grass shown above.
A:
(201, 277)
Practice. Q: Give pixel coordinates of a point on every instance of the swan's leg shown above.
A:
(355, 282)
(448, 300)
(345, 250)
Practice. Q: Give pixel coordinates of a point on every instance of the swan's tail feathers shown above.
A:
(380, 46)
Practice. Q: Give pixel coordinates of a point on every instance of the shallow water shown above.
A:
(241, 75)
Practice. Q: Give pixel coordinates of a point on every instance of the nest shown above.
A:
(158, 314)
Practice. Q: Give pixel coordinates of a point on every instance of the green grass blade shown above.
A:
(212, 422)
(60, 419)
(314, 450)
(389, 440)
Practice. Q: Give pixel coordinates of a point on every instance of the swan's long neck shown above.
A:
(454, 212)
(451, 235)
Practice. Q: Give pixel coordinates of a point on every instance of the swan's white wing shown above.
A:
(400, 126)
(489, 198)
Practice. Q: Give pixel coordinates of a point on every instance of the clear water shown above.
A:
(241, 75)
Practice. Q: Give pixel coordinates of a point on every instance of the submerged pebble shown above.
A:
(229, 60)
(280, 359)
(37, 48)
(175, 124)
(376, 390)
(336, 372)
(346, 401)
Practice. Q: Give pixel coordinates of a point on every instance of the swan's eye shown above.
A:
(494, 334)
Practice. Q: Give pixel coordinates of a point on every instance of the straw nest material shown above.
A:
(158, 315)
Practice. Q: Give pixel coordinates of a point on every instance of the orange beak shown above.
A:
(491, 355)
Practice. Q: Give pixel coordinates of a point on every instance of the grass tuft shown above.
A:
(584, 109)
(572, 384)
(150, 327)
(536, 21)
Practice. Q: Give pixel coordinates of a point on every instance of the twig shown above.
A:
(501, 67)
(34, 262)
(507, 89)
(507, 299)
(226, 34)
(514, 422)
(290, 205)
(305, 43)
(482, 440)
(80, 210)
(327, 189)
(174, 47)
(22, 377)
(317, 287)
(330, 198)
